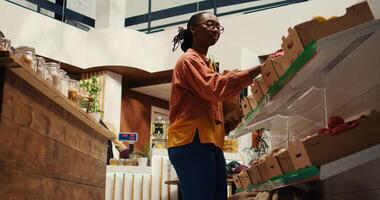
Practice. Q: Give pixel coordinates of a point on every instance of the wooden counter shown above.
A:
(49, 147)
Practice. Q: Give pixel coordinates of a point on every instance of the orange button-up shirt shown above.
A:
(196, 91)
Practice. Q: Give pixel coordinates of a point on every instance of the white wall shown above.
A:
(248, 58)
(110, 14)
(126, 47)
(134, 7)
(112, 98)
(112, 101)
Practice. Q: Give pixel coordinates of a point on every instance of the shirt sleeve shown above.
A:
(195, 76)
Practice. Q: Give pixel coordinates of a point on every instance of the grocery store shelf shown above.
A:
(312, 173)
(6, 61)
(275, 123)
(301, 176)
(343, 62)
(349, 162)
(28, 75)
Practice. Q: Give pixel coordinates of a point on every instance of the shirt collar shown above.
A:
(204, 58)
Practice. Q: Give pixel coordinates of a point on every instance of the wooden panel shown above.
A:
(139, 106)
(6, 61)
(49, 91)
(25, 150)
(49, 148)
(23, 185)
(29, 108)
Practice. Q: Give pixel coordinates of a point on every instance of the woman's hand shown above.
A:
(254, 71)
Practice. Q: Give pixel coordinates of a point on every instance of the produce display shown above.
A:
(336, 125)
(278, 53)
(314, 150)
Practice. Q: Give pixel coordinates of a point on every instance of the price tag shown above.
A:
(130, 137)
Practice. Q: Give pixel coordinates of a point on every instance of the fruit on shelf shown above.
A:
(337, 126)
(334, 121)
(324, 131)
(340, 129)
(278, 53)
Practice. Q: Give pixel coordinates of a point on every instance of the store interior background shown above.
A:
(246, 37)
(139, 63)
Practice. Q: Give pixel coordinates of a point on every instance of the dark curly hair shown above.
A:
(184, 37)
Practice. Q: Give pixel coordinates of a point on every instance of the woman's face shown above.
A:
(207, 31)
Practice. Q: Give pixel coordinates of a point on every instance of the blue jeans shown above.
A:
(201, 170)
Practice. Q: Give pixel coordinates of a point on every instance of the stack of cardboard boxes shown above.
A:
(315, 149)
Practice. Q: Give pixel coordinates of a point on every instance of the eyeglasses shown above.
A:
(212, 25)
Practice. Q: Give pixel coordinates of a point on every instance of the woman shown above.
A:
(196, 133)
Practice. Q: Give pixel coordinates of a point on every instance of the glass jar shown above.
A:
(41, 68)
(27, 56)
(55, 75)
(73, 92)
(121, 161)
(64, 82)
(5, 44)
(113, 161)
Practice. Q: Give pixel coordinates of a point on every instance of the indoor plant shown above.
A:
(92, 88)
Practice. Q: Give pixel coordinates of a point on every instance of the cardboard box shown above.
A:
(252, 101)
(273, 69)
(306, 32)
(285, 161)
(263, 86)
(237, 182)
(264, 171)
(255, 175)
(292, 45)
(247, 104)
(268, 73)
(320, 149)
(256, 91)
(314, 30)
(244, 179)
(280, 64)
(273, 166)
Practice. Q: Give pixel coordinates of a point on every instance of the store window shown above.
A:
(78, 13)
(160, 14)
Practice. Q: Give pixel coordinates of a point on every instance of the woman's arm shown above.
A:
(210, 85)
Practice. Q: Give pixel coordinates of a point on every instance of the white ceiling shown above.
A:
(161, 91)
